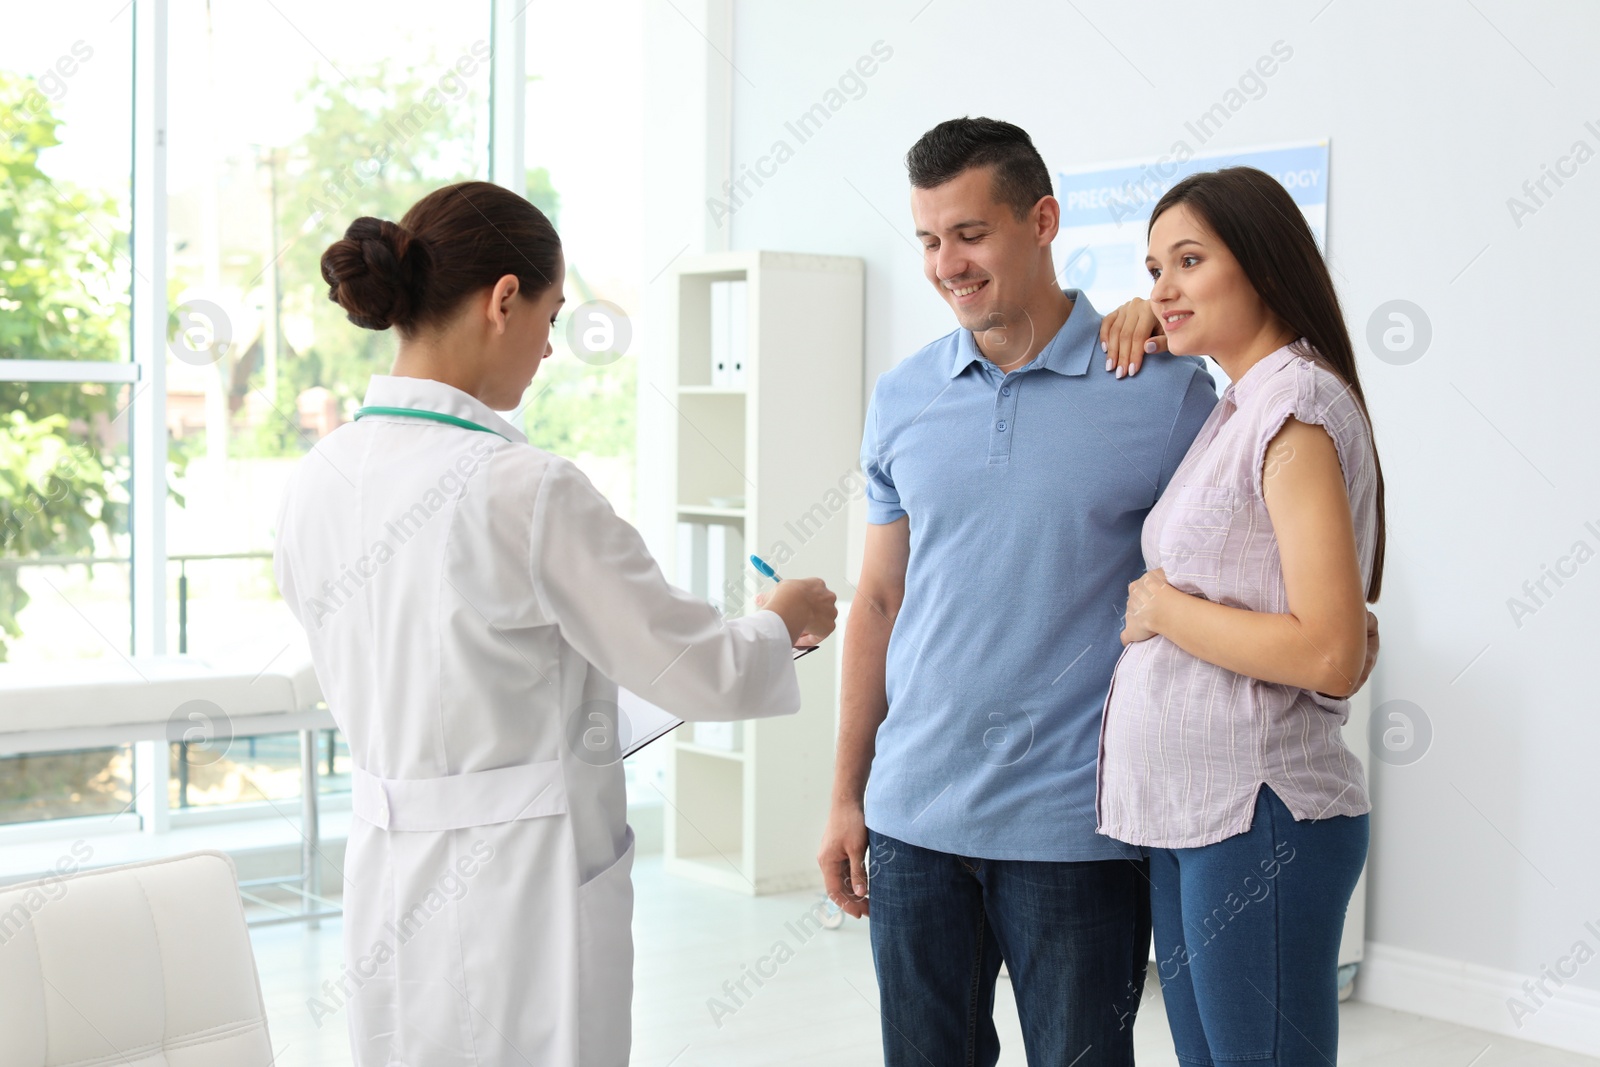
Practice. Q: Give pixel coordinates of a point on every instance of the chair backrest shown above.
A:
(148, 964)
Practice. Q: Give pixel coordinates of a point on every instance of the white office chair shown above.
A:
(148, 964)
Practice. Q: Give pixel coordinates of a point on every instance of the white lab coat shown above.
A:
(468, 600)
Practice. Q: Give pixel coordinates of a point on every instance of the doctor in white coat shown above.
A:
(472, 603)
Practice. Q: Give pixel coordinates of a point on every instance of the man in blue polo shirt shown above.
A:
(1009, 473)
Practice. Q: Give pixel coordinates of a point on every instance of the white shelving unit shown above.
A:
(787, 442)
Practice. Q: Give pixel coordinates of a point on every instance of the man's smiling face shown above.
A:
(975, 250)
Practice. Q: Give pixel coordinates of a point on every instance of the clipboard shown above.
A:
(641, 722)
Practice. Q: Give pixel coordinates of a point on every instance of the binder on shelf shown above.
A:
(724, 557)
(716, 564)
(691, 571)
(738, 332)
(721, 335)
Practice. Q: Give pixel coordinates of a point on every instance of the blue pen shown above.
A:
(765, 568)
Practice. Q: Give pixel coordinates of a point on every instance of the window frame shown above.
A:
(146, 370)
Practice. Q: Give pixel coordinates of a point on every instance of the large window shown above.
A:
(288, 120)
(586, 167)
(284, 122)
(64, 300)
(585, 122)
(65, 277)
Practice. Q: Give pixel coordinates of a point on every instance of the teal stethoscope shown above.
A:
(436, 416)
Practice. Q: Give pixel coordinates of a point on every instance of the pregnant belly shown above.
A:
(1166, 704)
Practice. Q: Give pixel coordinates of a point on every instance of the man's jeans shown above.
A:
(1075, 938)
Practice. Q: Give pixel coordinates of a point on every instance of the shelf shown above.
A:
(710, 390)
(706, 511)
(715, 753)
(729, 272)
(713, 457)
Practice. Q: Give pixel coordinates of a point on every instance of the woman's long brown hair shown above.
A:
(1261, 225)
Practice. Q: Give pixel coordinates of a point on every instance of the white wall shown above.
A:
(1487, 850)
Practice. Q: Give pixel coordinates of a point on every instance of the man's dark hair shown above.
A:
(1021, 179)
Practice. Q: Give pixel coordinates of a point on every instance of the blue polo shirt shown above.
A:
(1026, 493)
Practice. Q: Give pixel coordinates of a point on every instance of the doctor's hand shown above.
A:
(843, 858)
(1129, 334)
(806, 606)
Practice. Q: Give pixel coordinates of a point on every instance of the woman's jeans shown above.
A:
(1247, 937)
(1075, 938)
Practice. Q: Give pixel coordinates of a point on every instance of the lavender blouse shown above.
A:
(1184, 744)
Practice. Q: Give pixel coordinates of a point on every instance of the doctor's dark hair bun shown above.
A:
(376, 273)
(453, 242)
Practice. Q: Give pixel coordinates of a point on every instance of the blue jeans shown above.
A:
(1075, 938)
(1247, 937)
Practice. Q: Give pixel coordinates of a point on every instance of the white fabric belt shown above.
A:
(457, 801)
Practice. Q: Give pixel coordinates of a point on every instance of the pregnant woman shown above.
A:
(1220, 746)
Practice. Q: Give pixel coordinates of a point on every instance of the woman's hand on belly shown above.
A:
(1144, 595)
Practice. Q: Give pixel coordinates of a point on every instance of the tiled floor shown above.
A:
(820, 1008)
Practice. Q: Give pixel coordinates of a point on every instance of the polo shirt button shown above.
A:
(1006, 391)
(1000, 426)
